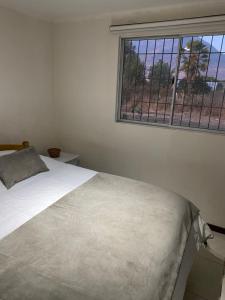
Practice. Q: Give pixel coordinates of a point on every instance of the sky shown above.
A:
(218, 42)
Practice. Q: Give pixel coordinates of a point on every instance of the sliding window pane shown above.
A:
(200, 89)
(148, 71)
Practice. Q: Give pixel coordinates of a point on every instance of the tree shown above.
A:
(159, 76)
(134, 69)
(194, 58)
(198, 86)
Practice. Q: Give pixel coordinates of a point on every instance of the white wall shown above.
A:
(190, 163)
(85, 75)
(26, 103)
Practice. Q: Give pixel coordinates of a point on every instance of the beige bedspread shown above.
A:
(110, 239)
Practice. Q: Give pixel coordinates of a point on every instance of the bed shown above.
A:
(73, 233)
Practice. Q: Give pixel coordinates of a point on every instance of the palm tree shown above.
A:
(195, 58)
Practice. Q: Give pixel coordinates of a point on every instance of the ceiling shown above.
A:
(55, 10)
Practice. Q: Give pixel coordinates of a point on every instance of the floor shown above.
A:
(207, 275)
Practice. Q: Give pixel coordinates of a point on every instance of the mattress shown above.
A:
(30, 197)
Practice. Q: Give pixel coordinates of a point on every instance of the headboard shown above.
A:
(14, 146)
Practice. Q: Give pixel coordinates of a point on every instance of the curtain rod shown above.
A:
(176, 22)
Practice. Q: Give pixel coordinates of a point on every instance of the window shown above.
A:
(173, 81)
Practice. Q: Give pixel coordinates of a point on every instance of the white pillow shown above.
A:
(5, 152)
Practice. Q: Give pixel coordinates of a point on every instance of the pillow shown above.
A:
(5, 152)
(20, 165)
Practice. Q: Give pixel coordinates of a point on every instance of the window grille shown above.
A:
(173, 81)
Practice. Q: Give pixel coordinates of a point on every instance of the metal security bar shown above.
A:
(173, 81)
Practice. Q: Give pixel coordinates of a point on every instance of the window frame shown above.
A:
(120, 67)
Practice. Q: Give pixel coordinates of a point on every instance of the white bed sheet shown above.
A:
(31, 196)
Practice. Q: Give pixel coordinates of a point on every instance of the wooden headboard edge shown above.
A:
(24, 145)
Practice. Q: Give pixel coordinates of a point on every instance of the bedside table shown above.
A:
(69, 158)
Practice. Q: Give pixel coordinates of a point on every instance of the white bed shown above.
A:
(31, 196)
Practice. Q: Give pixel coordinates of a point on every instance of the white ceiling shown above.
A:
(61, 9)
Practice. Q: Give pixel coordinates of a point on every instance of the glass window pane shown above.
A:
(168, 47)
(185, 119)
(135, 44)
(213, 65)
(150, 81)
(221, 70)
(143, 46)
(208, 41)
(159, 46)
(176, 45)
(214, 118)
(221, 125)
(177, 114)
(195, 116)
(151, 46)
(223, 44)
(186, 44)
(217, 43)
